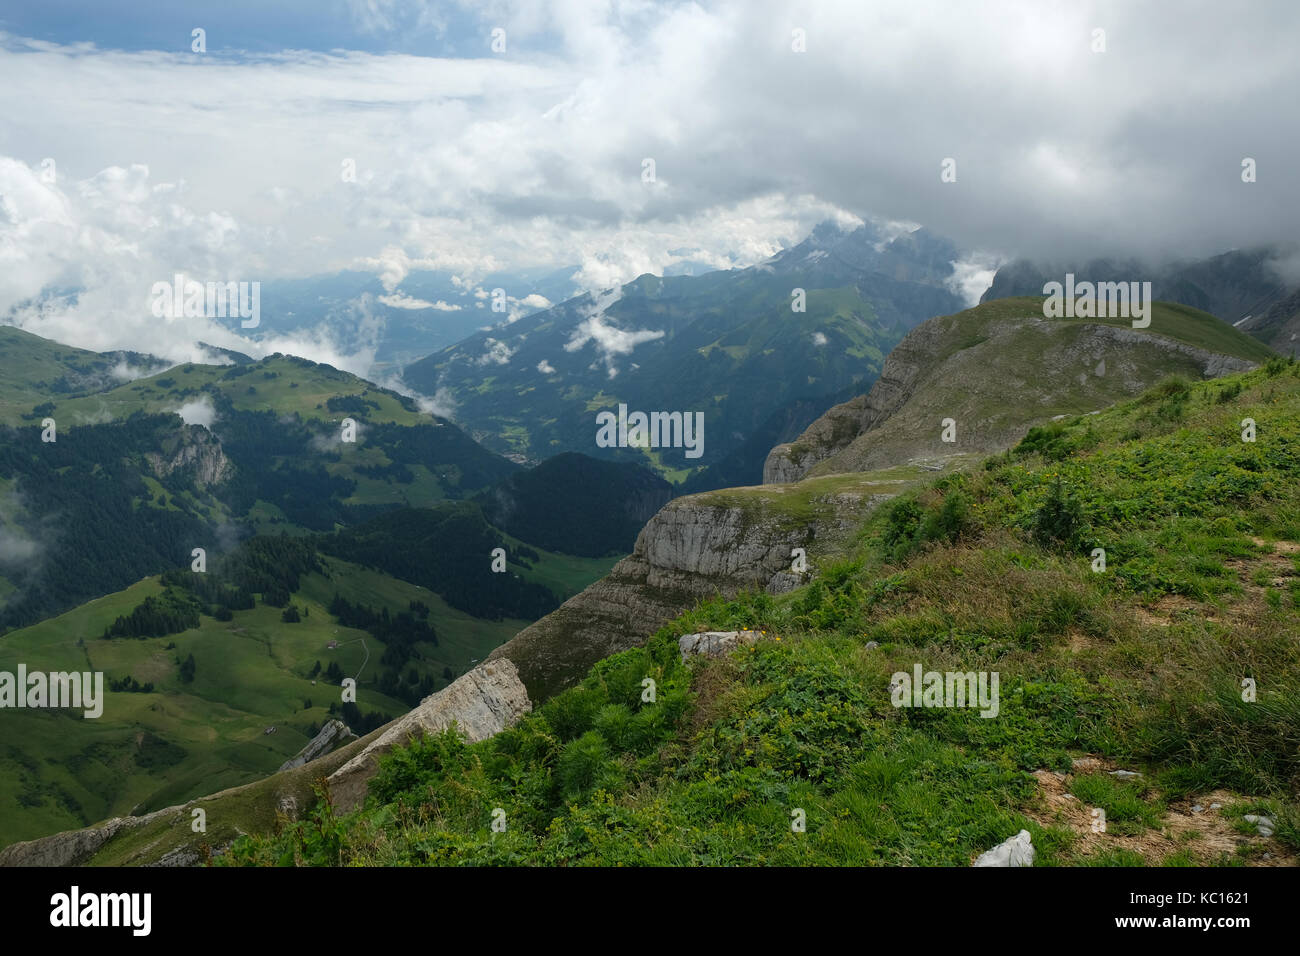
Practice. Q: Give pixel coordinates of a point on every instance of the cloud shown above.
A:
(198, 412)
(229, 166)
(819, 339)
(609, 340)
(17, 548)
(972, 276)
(400, 300)
(545, 367)
(498, 353)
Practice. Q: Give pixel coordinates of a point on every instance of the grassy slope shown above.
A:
(61, 772)
(1139, 666)
(29, 364)
(1052, 367)
(273, 389)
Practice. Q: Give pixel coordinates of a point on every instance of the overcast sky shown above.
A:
(229, 163)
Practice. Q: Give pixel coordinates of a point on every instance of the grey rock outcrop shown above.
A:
(1264, 825)
(714, 643)
(1015, 851)
(195, 449)
(481, 703)
(333, 735)
(698, 546)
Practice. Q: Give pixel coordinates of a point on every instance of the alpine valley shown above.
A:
(644, 656)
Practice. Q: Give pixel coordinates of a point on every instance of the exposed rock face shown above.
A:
(694, 548)
(714, 643)
(1279, 325)
(195, 449)
(836, 429)
(333, 735)
(963, 367)
(65, 849)
(482, 703)
(1015, 851)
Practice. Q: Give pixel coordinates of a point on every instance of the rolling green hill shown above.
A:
(34, 370)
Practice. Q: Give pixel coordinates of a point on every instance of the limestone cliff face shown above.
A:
(695, 547)
(194, 449)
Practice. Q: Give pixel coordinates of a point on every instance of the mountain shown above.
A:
(963, 367)
(367, 556)
(1233, 285)
(125, 465)
(665, 754)
(867, 450)
(727, 345)
(1278, 325)
(1117, 689)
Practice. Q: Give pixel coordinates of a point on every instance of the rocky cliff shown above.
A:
(716, 543)
(194, 449)
(331, 737)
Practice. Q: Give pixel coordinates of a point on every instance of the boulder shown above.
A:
(1015, 851)
(714, 643)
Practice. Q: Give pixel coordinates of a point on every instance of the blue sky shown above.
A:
(258, 26)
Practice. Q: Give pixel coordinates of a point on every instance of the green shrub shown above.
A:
(1060, 522)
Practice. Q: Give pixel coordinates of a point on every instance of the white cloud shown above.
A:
(198, 412)
(972, 276)
(228, 166)
(545, 367)
(400, 300)
(498, 353)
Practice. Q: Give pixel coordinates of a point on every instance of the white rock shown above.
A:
(1016, 851)
(1264, 825)
(714, 643)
